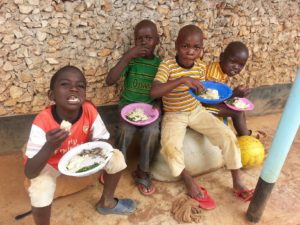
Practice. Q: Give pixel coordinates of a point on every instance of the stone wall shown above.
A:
(39, 36)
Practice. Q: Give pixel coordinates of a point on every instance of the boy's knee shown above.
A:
(41, 191)
(116, 163)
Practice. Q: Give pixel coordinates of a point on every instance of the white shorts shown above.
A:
(42, 188)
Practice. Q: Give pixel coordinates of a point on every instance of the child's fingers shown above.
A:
(57, 134)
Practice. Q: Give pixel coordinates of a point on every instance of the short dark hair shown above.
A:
(234, 47)
(145, 23)
(188, 30)
(63, 70)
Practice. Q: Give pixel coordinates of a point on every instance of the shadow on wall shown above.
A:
(269, 99)
(14, 130)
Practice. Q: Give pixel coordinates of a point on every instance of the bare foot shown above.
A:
(192, 188)
(239, 188)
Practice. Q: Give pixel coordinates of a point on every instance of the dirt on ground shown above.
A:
(79, 209)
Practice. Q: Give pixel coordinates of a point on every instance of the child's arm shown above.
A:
(115, 73)
(241, 91)
(54, 139)
(160, 89)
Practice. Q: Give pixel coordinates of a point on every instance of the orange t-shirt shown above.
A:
(88, 127)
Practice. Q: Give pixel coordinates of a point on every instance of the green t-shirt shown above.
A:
(139, 75)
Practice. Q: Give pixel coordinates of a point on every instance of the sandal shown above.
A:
(124, 206)
(245, 195)
(205, 201)
(145, 185)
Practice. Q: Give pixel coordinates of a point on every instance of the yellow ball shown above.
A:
(252, 151)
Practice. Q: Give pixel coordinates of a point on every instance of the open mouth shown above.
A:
(73, 99)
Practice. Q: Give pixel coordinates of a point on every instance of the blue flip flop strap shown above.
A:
(124, 206)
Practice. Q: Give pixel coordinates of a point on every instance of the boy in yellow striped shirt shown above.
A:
(232, 61)
(172, 82)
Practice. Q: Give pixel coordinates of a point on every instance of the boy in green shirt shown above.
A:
(138, 67)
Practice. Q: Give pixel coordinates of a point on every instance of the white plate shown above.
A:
(64, 161)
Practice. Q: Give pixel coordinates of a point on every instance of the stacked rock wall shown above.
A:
(39, 36)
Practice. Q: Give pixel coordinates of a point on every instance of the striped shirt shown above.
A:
(139, 75)
(215, 73)
(179, 99)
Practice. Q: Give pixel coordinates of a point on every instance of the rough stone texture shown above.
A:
(38, 37)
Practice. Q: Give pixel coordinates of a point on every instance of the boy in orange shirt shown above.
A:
(232, 61)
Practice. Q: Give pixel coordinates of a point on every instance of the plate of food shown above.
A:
(139, 114)
(214, 92)
(85, 159)
(239, 104)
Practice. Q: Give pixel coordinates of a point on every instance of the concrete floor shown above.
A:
(282, 208)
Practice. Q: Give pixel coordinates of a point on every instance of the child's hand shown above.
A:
(157, 104)
(137, 51)
(241, 91)
(193, 83)
(56, 137)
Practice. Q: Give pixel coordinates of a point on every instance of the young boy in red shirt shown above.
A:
(48, 143)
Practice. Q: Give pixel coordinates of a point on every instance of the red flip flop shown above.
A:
(144, 183)
(205, 202)
(241, 194)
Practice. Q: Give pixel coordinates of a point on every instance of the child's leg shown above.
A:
(172, 134)
(107, 198)
(149, 144)
(238, 118)
(150, 139)
(108, 204)
(125, 134)
(221, 135)
(41, 216)
(41, 193)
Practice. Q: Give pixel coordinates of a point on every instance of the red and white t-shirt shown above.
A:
(87, 128)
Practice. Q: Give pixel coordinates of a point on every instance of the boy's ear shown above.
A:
(50, 95)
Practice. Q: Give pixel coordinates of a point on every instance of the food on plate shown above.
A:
(136, 115)
(86, 160)
(238, 103)
(210, 93)
(65, 125)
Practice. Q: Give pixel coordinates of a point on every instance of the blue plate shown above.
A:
(224, 92)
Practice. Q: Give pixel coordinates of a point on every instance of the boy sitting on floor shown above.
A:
(48, 143)
(232, 61)
(172, 82)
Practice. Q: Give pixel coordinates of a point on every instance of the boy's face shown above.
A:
(146, 36)
(189, 48)
(233, 63)
(69, 91)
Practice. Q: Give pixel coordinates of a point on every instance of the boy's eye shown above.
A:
(81, 86)
(64, 84)
(147, 38)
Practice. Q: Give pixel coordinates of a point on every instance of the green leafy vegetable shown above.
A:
(231, 101)
(202, 92)
(86, 168)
